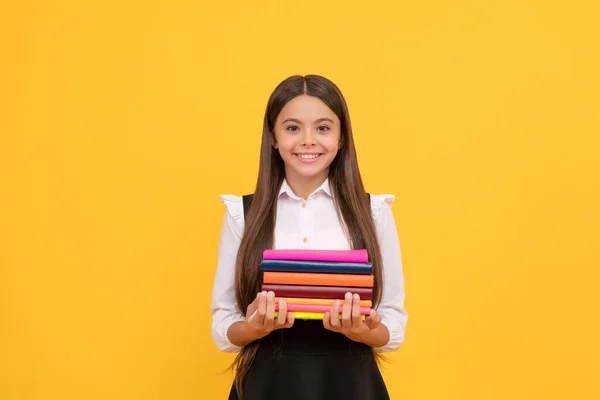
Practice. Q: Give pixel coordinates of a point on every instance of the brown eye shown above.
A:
(289, 128)
(324, 126)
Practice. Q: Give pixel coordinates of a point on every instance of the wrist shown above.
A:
(363, 337)
(376, 337)
(242, 333)
(251, 332)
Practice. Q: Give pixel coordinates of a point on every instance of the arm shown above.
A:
(223, 308)
(391, 308)
(232, 329)
(384, 328)
(240, 334)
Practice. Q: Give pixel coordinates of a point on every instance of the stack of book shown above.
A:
(311, 280)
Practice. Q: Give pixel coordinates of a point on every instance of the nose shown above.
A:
(308, 138)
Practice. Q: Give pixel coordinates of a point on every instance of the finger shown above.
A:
(261, 309)
(347, 311)
(327, 322)
(255, 301)
(251, 309)
(270, 311)
(290, 320)
(373, 320)
(356, 321)
(281, 318)
(334, 319)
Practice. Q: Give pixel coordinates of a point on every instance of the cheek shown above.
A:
(287, 145)
(284, 142)
(331, 144)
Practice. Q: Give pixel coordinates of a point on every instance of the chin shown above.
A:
(309, 172)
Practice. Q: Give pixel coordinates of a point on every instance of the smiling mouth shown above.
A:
(308, 157)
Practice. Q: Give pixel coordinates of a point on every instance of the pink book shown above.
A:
(357, 256)
(318, 308)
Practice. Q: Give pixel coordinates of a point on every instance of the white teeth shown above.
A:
(307, 156)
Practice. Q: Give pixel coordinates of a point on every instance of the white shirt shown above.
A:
(308, 224)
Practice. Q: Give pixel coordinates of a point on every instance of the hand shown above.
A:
(351, 324)
(260, 315)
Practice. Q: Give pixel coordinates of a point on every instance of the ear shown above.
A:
(273, 140)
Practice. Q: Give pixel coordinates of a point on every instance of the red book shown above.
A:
(317, 292)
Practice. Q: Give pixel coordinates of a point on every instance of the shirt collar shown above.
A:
(285, 188)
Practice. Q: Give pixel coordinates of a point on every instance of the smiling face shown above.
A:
(307, 135)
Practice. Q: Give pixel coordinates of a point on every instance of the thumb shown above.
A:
(373, 320)
(254, 305)
(254, 301)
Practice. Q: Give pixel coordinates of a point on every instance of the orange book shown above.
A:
(318, 279)
(319, 302)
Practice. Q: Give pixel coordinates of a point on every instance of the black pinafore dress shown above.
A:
(309, 362)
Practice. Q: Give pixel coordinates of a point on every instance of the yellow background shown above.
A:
(122, 123)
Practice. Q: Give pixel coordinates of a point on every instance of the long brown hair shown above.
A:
(352, 203)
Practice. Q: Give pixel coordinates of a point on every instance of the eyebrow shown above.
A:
(299, 122)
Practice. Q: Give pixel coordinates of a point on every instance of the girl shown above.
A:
(309, 195)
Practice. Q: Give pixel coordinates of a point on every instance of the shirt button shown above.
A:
(305, 240)
(303, 204)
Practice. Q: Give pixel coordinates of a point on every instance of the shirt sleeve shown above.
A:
(223, 308)
(391, 307)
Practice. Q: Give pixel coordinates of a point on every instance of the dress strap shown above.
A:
(246, 201)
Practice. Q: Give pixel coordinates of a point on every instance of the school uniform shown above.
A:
(307, 361)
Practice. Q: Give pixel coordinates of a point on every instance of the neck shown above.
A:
(304, 186)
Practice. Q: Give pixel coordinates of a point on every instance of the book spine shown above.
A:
(299, 278)
(317, 308)
(317, 292)
(312, 315)
(316, 266)
(322, 302)
(359, 256)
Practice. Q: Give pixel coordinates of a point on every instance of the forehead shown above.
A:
(306, 109)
